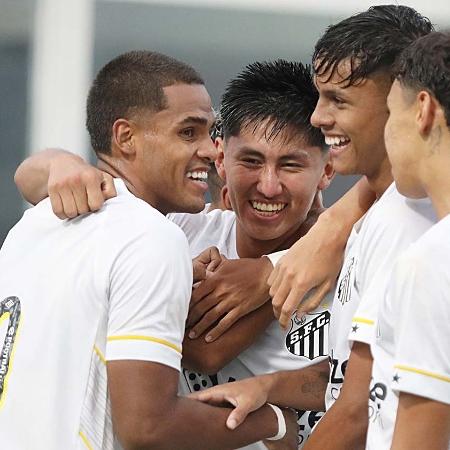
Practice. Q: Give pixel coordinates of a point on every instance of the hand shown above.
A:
(235, 289)
(204, 264)
(290, 439)
(246, 396)
(313, 262)
(75, 187)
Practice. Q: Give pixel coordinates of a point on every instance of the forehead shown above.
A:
(257, 139)
(186, 100)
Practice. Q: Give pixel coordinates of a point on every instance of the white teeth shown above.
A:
(201, 176)
(336, 140)
(268, 207)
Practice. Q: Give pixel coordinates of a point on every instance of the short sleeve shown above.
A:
(150, 287)
(422, 335)
(275, 257)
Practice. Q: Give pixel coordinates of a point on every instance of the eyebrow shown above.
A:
(294, 154)
(193, 120)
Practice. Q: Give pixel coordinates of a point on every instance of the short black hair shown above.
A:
(279, 92)
(127, 84)
(425, 65)
(370, 40)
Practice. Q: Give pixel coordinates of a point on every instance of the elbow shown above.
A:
(207, 363)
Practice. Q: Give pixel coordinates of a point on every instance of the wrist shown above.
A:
(281, 423)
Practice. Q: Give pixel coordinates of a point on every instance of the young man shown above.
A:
(275, 165)
(411, 367)
(353, 62)
(97, 306)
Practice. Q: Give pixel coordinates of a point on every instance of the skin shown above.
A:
(169, 144)
(342, 111)
(284, 170)
(418, 141)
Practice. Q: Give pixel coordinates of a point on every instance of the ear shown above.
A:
(219, 160)
(226, 198)
(426, 111)
(327, 175)
(123, 136)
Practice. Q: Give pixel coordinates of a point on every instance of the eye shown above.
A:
(187, 133)
(292, 166)
(250, 161)
(338, 100)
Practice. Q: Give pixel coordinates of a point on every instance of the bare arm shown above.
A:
(315, 260)
(148, 414)
(209, 358)
(421, 423)
(74, 186)
(302, 389)
(347, 419)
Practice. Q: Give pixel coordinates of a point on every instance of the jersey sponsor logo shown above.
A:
(197, 381)
(309, 338)
(9, 308)
(377, 396)
(344, 288)
(337, 375)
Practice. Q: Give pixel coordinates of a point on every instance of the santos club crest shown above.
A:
(308, 336)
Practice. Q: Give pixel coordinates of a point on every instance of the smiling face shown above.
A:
(174, 150)
(403, 143)
(352, 119)
(271, 184)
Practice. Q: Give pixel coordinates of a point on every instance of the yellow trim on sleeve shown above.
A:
(85, 440)
(362, 320)
(423, 372)
(99, 354)
(144, 338)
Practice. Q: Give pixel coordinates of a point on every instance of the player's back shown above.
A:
(53, 321)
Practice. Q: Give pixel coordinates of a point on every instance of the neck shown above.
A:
(381, 179)
(436, 181)
(120, 168)
(249, 247)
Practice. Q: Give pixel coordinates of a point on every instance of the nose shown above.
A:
(207, 150)
(322, 117)
(269, 183)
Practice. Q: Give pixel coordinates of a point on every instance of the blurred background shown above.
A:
(51, 49)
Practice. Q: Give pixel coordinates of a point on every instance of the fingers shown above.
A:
(215, 259)
(203, 289)
(289, 306)
(197, 311)
(243, 408)
(224, 325)
(107, 186)
(57, 206)
(212, 316)
(313, 301)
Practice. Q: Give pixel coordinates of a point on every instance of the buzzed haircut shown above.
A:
(280, 93)
(425, 65)
(129, 84)
(370, 40)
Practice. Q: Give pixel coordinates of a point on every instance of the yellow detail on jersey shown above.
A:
(11, 358)
(144, 338)
(423, 372)
(362, 320)
(85, 440)
(99, 354)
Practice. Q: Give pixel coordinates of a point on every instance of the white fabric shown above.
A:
(411, 350)
(390, 225)
(109, 285)
(270, 353)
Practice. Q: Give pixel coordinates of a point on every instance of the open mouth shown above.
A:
(267, 209)
(337, 142)
(198, 176)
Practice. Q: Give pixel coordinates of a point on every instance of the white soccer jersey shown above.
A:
(74, 294)
(411, 351)
(304, 344)
(390, 225)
